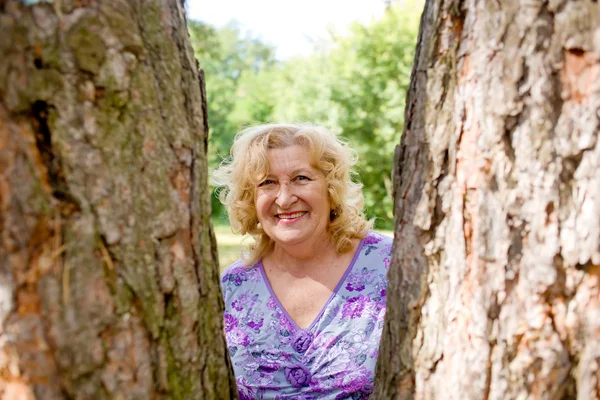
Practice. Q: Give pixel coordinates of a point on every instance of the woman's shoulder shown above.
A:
(378, 239)
(239, 272)
(376, 250)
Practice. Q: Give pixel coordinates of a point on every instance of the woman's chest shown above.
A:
(304, 297)
(302, 300)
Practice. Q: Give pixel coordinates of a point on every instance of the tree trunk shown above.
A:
(108, 270)
(494, 287)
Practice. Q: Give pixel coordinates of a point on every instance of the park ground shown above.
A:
(231, 245)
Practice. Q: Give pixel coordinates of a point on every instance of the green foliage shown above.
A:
(372, 68)
(231, 61)
(356, 86)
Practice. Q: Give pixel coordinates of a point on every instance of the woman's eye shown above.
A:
(302, 178)
(266, 182)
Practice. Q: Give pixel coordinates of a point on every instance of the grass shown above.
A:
(231, 246)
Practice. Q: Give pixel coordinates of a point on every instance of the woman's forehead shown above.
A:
(290, 158)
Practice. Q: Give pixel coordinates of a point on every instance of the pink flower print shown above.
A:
(237, 305)
(237, 276)
(373, 238)
(324, 340)
(268, 367)
(256, 325)
(317, 386)
(355, 283)
(231, 322)
(237, 336)
(273, 355)
(244, 391)
(386, 250)
(357, 280)
(386, 262)
(356, 383)
(332, 342)
(285, 326)
(271, 304)
(359, 380)
(354, 307)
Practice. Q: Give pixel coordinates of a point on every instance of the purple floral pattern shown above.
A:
(334, 358)
(231, 322)
(298, 375)
(354, 307)
(302, 339)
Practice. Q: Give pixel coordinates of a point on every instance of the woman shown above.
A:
(304, 309)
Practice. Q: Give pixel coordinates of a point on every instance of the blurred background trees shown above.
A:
(354, 83)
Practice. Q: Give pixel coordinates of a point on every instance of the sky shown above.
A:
(289, 25)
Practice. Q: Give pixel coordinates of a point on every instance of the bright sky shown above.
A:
(287, 24)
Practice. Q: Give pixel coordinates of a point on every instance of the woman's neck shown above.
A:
(303, 258)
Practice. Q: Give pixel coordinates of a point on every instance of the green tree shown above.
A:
(303, 91)
(372, 71)
(236, 91)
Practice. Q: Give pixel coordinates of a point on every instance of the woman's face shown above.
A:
(292, 203)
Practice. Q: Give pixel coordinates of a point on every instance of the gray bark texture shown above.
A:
(494, 286)
(108, 269)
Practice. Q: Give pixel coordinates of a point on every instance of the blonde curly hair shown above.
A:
(239, 175)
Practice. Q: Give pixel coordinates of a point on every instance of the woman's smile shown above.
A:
(290, 217)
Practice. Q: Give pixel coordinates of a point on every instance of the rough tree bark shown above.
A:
(494, 286)
(108, 269)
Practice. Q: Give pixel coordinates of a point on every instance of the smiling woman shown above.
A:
(304, 310)
(248, 173)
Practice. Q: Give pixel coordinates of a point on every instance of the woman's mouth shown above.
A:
(290, 216)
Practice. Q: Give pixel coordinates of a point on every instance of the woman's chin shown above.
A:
(288, 237)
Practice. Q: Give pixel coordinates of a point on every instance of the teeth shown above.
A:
(291, 216)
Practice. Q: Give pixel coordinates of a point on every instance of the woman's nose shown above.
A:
(285, 197)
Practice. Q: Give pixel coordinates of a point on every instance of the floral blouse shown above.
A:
(334, 358)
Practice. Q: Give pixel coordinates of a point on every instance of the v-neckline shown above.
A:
(331, 296)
